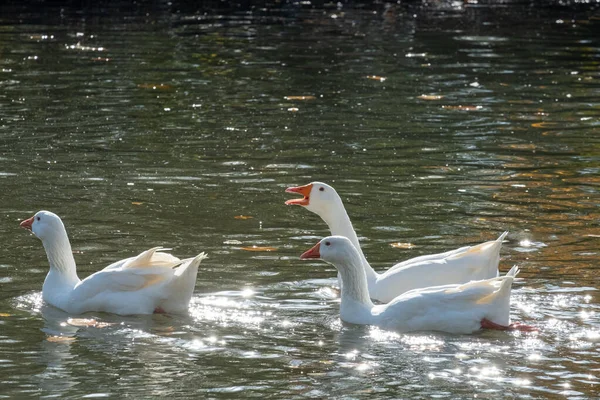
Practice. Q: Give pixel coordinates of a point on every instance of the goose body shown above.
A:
(458, 308)
(153, 281)
(456, 266)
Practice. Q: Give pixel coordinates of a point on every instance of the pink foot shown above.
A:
(159, 310)
(487, 324)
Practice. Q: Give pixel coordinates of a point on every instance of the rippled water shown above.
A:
(440, 127)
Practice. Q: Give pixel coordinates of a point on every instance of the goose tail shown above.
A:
(483, 258)
(182, 286)
(500, 303)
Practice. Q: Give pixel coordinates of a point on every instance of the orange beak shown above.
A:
(304, 191)
(312, 253)
(26, 223)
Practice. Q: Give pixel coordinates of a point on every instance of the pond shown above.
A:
(162, 124)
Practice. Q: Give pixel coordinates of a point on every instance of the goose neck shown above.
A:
(355, 292)
(60, 258)
(339, 223)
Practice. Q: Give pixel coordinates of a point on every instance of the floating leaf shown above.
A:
(377, 78)
(4, 315)
(243, 217)
(258, 248)
(136, 203)
(60, 339)
(293, 109)
(164, 329)
(543, 124)
(299, 97)
(401, 245)
(431, 97)
(463, 108)
(87, 322)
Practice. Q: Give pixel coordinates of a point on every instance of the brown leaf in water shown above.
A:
(376, 78)
(164, 330)
(293, 109)
(243, 217)
(431, 97)
(543, 124)
(401, 245)
(87, 322)
(4, 315)
(60, 339)
(299, 97)
(519, 146)
(258, 248)
(136, 203)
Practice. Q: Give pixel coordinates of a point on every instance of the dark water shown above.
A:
(154, 125)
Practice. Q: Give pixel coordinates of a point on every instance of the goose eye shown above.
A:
(38, 218)
(327, 243)
(321, 189)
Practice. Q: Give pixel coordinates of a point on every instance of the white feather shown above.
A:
(136, 285)
(456, 266)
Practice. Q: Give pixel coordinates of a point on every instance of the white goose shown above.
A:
(456, 266)
(151, 282)
(462, 308)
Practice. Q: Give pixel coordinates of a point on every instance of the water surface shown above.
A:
(439, 128)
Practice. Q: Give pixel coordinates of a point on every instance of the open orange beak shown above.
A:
(26, 223)
(312, 253)
(304, 191)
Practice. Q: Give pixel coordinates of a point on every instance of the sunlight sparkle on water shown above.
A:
(225, 310)
(422, 342)
(381, 335)
(489, 371)
(287, 323)
(364, 367)
(585, 315)
(592, 334)
(522, 382)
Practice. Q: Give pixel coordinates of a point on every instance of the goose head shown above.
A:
(44, 225)
(318, 197)
(336, 250)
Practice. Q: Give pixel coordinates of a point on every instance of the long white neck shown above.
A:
(356, 304)
(339, 223)
(63, 273)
